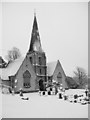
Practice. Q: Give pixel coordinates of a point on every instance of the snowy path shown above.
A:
(41, 106)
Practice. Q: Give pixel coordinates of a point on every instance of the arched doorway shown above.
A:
(41, 85)
(26, 79)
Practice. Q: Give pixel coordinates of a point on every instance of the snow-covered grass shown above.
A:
(42, 106)
(0, 104)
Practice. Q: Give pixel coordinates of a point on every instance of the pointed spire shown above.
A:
(34, 12)
(35, 44)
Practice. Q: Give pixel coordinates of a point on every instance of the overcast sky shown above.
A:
(63, 29)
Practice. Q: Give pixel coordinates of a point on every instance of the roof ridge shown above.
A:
(52, 62)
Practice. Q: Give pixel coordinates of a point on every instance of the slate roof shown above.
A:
(51, 67)
(11, 69)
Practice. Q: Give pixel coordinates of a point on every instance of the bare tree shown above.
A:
(72, 84)
(81, 77)
(13, 54)
(16, 53)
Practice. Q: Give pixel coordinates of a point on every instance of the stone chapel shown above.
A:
(31, 72)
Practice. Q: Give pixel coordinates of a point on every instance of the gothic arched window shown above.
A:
(31, 60)
(40, 61)
(40, 71)
(26, 78)
(59, 77)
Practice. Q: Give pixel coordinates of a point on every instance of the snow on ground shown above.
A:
(42, 106)
(0, 104)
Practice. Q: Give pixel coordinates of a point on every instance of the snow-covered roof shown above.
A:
(51, 67)
(11, 69)
(1, 60)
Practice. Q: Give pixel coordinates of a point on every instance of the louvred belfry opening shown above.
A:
(35, 44)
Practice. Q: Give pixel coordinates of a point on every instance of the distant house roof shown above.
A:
(51, 67)
(2, 62)
(11, 69)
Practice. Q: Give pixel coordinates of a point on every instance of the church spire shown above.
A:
(35, 44)
(34, 12)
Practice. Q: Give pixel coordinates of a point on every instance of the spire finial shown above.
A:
(34, 12)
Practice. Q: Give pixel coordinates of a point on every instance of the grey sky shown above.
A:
(63, 29)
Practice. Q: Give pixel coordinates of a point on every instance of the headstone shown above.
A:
(25, 98)
(21, 93)
(49, 93)
(12, 92)
(86, 92)
(71, 101)
(75, 96)
(65, 97)
(50, 89)
(75, 101)
(60, 96)
(43, 92)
